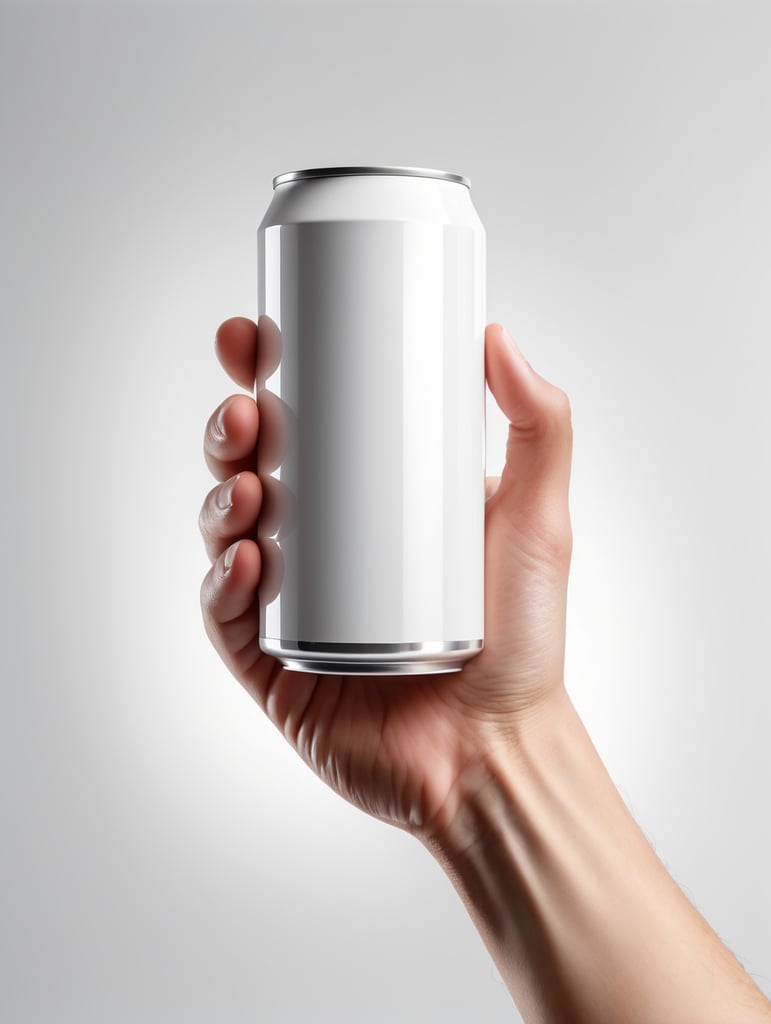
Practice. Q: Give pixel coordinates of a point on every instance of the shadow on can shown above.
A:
(277, 426)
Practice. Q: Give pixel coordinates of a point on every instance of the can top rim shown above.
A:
(336, 172)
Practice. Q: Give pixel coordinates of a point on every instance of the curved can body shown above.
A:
(371, 392)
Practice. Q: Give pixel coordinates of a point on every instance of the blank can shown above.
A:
(371, 397)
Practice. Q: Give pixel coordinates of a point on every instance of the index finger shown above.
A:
(236, 345)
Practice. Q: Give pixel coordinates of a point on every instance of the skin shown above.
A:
(397, 746)
(490, 767)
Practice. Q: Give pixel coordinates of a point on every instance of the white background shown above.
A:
(164, 856)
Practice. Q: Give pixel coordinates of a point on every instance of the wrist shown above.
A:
(497, 756)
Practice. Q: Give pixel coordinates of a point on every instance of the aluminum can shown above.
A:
(371, 397)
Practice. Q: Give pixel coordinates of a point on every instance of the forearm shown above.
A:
(581, 917)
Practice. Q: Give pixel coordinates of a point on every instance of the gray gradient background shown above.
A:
(164, 855)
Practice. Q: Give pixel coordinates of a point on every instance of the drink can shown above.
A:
(371, 398)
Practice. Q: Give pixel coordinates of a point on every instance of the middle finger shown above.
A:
(230, 436)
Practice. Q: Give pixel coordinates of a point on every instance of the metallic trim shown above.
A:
(372, 659)
(336, 172)
(371, 668)
(432, 646)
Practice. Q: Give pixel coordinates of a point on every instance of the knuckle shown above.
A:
(562, 543)
(550, 417)
(554, 421)
(560, 408)
(556, 538)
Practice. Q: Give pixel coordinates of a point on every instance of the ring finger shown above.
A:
(230, 512)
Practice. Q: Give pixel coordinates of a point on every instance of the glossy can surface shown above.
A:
(370, 386)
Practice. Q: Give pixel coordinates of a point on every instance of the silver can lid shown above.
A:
(336, 172)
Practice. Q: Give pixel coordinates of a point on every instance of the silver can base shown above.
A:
(373, 659)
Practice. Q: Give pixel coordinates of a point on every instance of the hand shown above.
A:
(402, 747)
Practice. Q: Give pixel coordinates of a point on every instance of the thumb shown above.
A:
(540, 439)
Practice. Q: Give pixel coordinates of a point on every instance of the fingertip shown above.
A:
(510, 378)
(235, 343)
(540, 432)
(532, 404)
(241, 562)
(497, 335)
(230, 510)
(230, 436)
(229, 587)
(495, 328)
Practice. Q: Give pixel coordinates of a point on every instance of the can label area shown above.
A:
(380, 389)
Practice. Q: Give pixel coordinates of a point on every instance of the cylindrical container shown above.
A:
(371, 394)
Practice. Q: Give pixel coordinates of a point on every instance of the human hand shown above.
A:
(403, 747)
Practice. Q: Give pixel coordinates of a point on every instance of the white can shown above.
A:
(371, 391)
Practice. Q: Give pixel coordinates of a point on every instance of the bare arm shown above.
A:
(490, 767)
(580, 916)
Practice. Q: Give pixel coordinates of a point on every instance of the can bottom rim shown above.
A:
(372, 659)
(372, 668)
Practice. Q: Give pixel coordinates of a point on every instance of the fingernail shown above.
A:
(218, 427)
(230, 557)
(224, 499)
